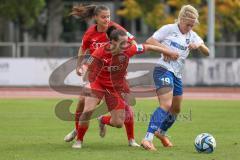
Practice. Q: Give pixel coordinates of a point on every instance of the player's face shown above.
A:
(186, 25)
(103, 18)
(121, 44)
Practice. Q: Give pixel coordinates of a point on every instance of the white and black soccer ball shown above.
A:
(205, 143)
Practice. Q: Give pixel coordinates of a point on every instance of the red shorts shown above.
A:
(113, 97)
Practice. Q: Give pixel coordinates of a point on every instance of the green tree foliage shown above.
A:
(228, 15)
(23, 12)
(131, 10)
(156, 13)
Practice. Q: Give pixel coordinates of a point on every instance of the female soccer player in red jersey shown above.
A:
(94, 38)
(106, 73)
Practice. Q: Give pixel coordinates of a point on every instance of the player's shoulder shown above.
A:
(91, 30)
(101, 51)
(169, 26)
(193, 34)
(118, 26)
(167, 29)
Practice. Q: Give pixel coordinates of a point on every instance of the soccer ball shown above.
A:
(205, 143)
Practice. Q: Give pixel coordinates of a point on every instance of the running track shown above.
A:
(211, 93)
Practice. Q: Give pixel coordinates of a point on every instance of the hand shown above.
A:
(192, 46)
(166, 58)
(81, 70)
(172, 56)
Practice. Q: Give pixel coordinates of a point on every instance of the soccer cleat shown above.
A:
(164, 139)
(148, 145)
(133, 143)
(70, 136)
(102, 127)
(77, 144)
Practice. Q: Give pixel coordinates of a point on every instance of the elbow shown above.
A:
(204, 50)
(148, 41)
(206, 53)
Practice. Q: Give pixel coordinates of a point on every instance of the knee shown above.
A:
(166, 105)
(128, 113)
(117, 123)
(85, 116)
(176, 109)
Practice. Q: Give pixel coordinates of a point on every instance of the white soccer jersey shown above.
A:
(170, 36)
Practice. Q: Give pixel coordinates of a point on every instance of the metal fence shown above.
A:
(63, 50)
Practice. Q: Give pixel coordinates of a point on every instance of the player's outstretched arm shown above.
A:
(204, 49)
(95, 66)
(201, 47)
(166, 52)
(154, 42)
(79, 69)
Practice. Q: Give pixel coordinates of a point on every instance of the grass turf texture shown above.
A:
(30, 130)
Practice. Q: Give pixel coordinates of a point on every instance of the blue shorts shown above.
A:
(164, 78)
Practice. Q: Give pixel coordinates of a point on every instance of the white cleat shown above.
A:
(70, 136)
(77, 145)
(133, 143)
(102, 127)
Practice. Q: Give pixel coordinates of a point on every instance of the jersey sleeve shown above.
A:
(85, 43)
(135, 49)
(161, 33)
(196, 39)
(95, 65)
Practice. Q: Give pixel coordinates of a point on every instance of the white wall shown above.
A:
(36, 72)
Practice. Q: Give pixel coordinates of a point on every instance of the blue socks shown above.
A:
(156, 119)
(159, 120)
(167, 122)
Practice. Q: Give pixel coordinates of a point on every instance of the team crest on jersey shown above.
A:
(121, 58)
(175, 34)
(187, 41)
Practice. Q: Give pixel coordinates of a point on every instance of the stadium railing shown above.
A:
(62, 49)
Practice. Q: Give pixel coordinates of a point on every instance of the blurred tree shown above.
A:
(157, 13)
(55, 10)
(131, 11)
(228, 15)
(228, 18)
(22, 13)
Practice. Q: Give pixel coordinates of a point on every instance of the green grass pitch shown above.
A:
(29, 130)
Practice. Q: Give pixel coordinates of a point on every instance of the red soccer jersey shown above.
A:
(109, 69)
(93, 39)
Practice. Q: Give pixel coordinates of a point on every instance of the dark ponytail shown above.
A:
(109, 31)
(86, 12)
(113, 33)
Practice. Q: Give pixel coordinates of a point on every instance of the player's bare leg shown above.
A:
(90, 105)
(80, 106)
(175, 110)
(129, 125)
(165, 100)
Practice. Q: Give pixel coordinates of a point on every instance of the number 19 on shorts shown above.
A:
(165, 81)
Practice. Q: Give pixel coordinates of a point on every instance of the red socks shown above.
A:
(82, 129)
(106, 120)
(129, 122)
(77, 116)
